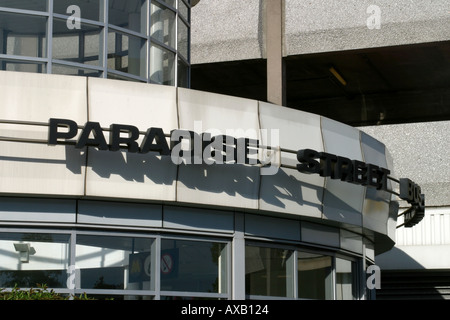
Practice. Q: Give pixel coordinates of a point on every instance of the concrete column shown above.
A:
(276, 88)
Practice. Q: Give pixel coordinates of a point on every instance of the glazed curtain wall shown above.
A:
(149, 266)
(139, 40)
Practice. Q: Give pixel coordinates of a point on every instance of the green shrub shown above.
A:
(39, 293)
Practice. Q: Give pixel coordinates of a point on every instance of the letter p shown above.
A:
(54, 133)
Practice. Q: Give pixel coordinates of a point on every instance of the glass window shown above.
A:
(183, 9)
(183, 39)
(171, 3)
(28, 259)
(129, 14)
(22, 66)
(268, 271)
(114, 262)
(163, 25)
(76, 45)
(127, 54)
(183, 74)
(85, 9)
(23, 35)
(37, 5)
(126, 49)
(120, 297)
(114, 76)
(314, 276)
(74, 71)
(162, 66)
(345, 279)
(194, 266)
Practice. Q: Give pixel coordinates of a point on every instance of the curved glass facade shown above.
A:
(106, 255)
(135, 266)
(139, 40)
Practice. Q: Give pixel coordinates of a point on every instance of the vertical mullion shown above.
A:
(189, 46)
(333, 279)
(72, 260)
(238, 259)
(229, 269)
(176, 43)
(295, 274)
(156, 271)
(148, 18)
(105, 37)
(50, 36)
(81, 50)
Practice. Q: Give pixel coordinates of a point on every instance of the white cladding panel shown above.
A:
(342, 201)
(38, 97)
(218, 184)
(130, 175)
(289, 190)
(376, 202)
(28, 168)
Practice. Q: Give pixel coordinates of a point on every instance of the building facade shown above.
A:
(380, 66)
(149, 189)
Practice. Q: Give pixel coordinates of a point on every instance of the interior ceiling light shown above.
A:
(338, 76)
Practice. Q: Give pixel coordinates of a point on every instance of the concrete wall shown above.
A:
(420, 151)
(228, 30)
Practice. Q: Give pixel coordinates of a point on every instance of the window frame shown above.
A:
(153, 293)
(105, 26)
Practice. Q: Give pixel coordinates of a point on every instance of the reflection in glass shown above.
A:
(194, 266)
(163, 25)
(114, 76)
(120, 297)
(76, 45)
(183, 74)
(183, 9)
(37, 5)
(19, 66)
(128, 14)
(114, 262)
(268, 271)
(170, 2)
(114, 36)
(314, 276)
(23, 35)
(345, 286)
(183, 39)
(88, 9)
(162, 66)
(74, 71)
(28, 259)
(127, 54)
